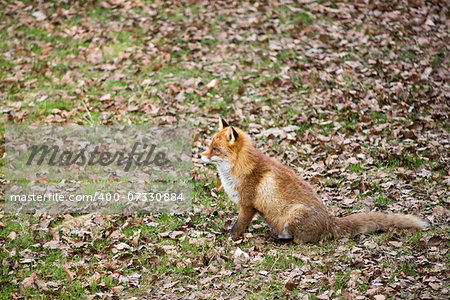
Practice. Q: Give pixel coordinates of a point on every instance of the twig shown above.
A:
(89, 113)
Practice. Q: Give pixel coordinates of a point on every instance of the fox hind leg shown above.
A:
(307, 225)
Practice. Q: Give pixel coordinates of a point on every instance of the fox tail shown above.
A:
(374, 221)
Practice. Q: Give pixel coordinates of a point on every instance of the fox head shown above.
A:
(224, 146)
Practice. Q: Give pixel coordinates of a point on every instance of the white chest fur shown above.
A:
(228, 182)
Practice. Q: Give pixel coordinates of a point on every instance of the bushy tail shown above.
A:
(374, 221)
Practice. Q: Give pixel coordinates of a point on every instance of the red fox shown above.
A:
(287, 203)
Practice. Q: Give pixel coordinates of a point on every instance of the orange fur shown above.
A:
(288, 204)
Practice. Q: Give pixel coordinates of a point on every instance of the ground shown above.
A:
(353, 95)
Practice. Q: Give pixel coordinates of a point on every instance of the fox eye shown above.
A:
(215, 149)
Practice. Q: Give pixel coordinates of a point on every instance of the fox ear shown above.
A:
(222, 123)
(232, 135)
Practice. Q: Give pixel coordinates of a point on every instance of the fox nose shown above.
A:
(199, 156)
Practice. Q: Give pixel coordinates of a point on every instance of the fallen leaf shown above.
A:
(12, 235)
(122, 246)
(39, 16)
(69, 274)
(240, 256)
(52, 245)
(213, 84)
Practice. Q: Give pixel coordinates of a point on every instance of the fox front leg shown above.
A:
(244, 219)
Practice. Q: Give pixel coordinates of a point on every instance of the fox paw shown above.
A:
(234, 237)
